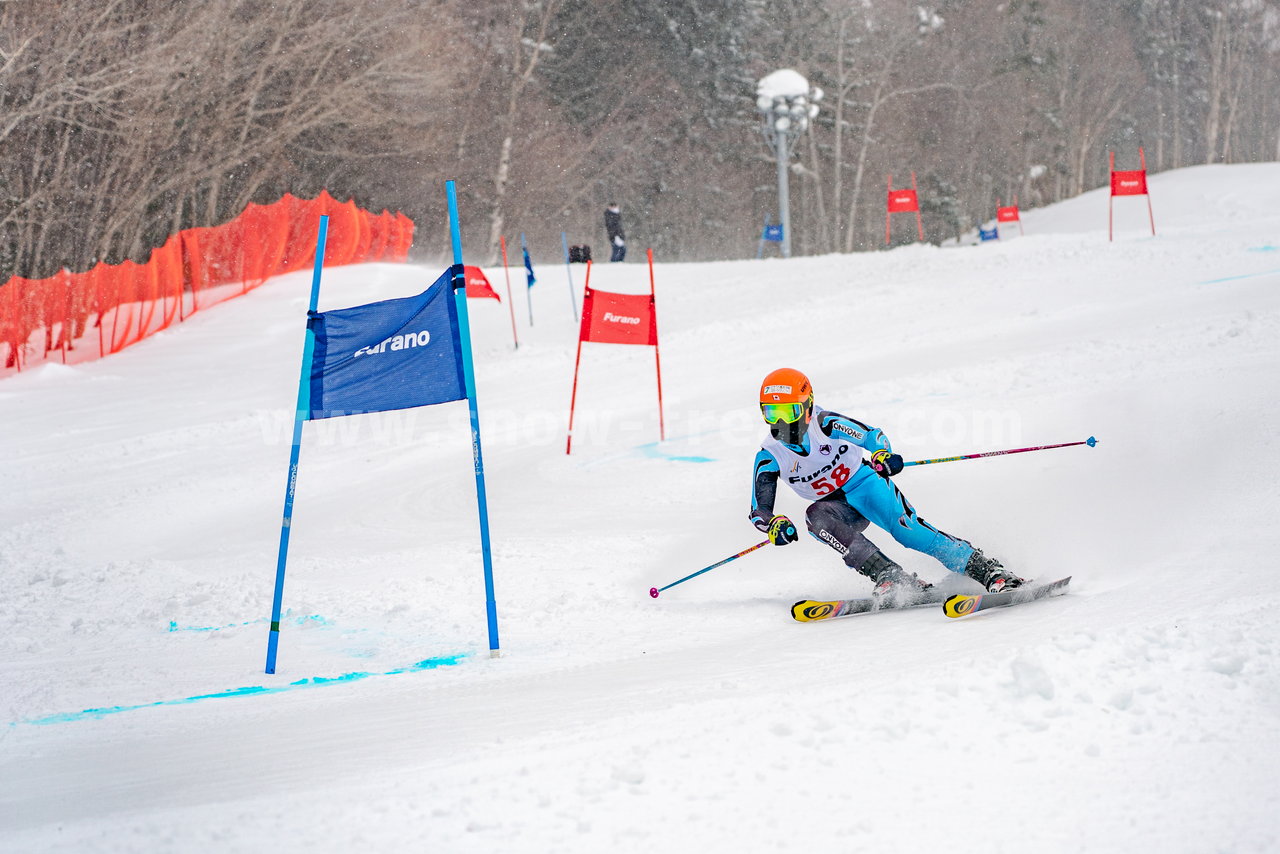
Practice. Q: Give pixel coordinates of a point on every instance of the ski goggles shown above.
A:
(789, 413)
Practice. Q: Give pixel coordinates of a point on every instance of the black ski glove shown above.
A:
(886, 464)
(782, 531)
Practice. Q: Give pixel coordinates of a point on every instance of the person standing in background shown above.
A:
(617, 238)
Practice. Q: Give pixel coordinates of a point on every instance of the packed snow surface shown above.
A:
(141, 512)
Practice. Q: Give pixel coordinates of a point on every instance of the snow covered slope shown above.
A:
(141, 512)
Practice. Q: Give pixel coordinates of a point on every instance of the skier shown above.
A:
(823, 456)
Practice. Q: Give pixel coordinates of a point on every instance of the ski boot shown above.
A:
(990, 573)
(892, 581)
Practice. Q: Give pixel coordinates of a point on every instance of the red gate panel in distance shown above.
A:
(903, 201)
(1128, 182)
(609, 318)
(1009, 213)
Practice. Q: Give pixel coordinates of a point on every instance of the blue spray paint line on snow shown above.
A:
(249, 691)
(1237, 278)
(1263, 249)
(297, 621)
(654, 451)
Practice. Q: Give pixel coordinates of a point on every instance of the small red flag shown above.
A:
(478, 286)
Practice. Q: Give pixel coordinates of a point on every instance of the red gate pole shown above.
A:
(98, 301)
(1150, 215)
(886, 213)
(573, 397)
(1111, 198)
(68, 326)
(919, 224)
(653, 314)
(510, 302)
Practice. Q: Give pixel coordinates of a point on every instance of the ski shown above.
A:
(811, 611)
(962, 605)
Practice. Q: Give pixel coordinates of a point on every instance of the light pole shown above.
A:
(786, 105)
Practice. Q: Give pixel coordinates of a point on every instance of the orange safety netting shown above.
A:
(74, 317)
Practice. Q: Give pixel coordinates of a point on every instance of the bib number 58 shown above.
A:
(829, 483)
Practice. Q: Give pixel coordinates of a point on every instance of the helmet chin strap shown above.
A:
(795, 434)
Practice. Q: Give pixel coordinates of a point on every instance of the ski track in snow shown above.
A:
(1140, 712)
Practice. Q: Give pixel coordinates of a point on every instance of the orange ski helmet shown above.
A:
(786, 402)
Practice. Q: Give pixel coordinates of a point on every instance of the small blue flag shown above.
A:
(772, 232)
(394, 354)
(988, 234)
(528, 268)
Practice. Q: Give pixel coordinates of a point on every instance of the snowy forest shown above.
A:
(123, 121)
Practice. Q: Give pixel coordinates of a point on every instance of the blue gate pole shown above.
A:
(760, 248)
(573, 299)
(528, 291)
(468, 373)
(301, 414)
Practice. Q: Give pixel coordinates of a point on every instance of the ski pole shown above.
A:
(654, 591)
(1090, 442)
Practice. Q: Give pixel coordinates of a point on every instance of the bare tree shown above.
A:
(122, 121)
(522, 45)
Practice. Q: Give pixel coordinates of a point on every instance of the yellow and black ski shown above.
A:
(811, 610)
(963, 605)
